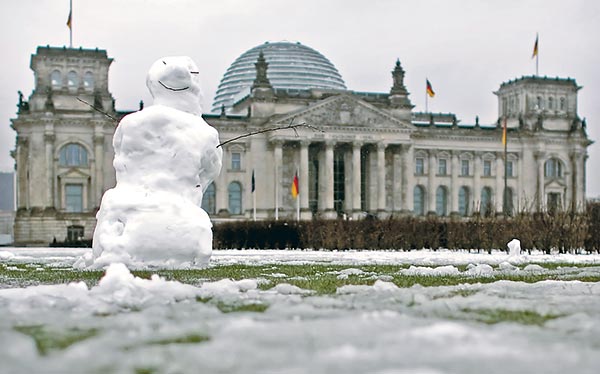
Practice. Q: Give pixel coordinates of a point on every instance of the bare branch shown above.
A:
(290, 126)
(98, 110)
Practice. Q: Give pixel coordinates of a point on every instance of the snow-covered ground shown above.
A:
(130, 325)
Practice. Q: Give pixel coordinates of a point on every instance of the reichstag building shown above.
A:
(364, 154)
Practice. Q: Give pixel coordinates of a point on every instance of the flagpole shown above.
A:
(252, 190)
(537, 57)
(426, 95)
(505, 203)
(536, 50)
(71, 23)
(277, 193)
(297, 202)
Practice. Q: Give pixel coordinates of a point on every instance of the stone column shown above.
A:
(49, 139)
(431, 192)
(98, 183)
(455, 167)
(326, 183)
(356, 177)
(499, 182)
(397, 181)
(22, 166)
(579, 188)
(476, 181)
(381, 178)
(303, 182)
(408, 172)
(277, 159)
(539, 159)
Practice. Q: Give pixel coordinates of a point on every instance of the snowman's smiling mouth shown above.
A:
(171, 88)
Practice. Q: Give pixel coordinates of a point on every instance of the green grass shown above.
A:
(47, 339)
(321, 278)
(524, 317)
(187, 339)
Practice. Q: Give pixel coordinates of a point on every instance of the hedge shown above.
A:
(559, 231)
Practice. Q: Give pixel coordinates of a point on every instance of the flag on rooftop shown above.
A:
(69, 19)
(535, 47)
(429, 89)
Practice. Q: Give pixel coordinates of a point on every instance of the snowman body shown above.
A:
(165, 157)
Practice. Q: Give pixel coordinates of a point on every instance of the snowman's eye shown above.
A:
(194, 72)
(164, 62)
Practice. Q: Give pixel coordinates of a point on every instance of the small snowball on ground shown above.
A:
(507, 266)
(479, 270)
(534, 268)
(514, 247)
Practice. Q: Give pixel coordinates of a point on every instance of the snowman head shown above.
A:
(175, 82)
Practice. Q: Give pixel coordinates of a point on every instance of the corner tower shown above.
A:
(63, 154)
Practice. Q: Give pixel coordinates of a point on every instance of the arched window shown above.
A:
(441, 201)
(235, 198)
(508, 201)
(486, 201)
(72, 79)
(55, 79)
(463, 201)
(553, 168)
(209, 199)
(88, 81)
(563, 103)
(550, 103)
(419, 201)
(540, 104)
(73, 154)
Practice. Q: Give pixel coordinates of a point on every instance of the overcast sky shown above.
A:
(466, 48)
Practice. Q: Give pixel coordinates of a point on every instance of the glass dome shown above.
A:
(291, 66)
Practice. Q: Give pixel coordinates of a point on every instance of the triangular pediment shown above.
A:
(344, 110)
(555, 184)
(73, 173)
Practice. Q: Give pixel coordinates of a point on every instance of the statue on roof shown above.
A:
(398, 79)
(261, 72)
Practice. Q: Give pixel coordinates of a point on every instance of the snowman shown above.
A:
(166, 156)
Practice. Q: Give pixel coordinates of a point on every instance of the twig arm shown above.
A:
(294, 127)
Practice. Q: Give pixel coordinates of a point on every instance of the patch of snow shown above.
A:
(428, 271)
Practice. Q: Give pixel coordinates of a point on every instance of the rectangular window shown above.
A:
(236, 161)
(553, 202)
(442, 170)
(74, 233)
(420, 166)
(509, 169)
(74, 198)
(487, 168)
(464, 168)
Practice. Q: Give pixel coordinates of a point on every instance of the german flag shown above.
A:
(295, 189)
(535, 47)
(429, 89)
(69, 24)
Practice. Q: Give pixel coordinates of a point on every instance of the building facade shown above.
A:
(64, 148)
(360, 153)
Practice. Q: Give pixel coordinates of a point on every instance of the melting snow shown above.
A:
(136, 324)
